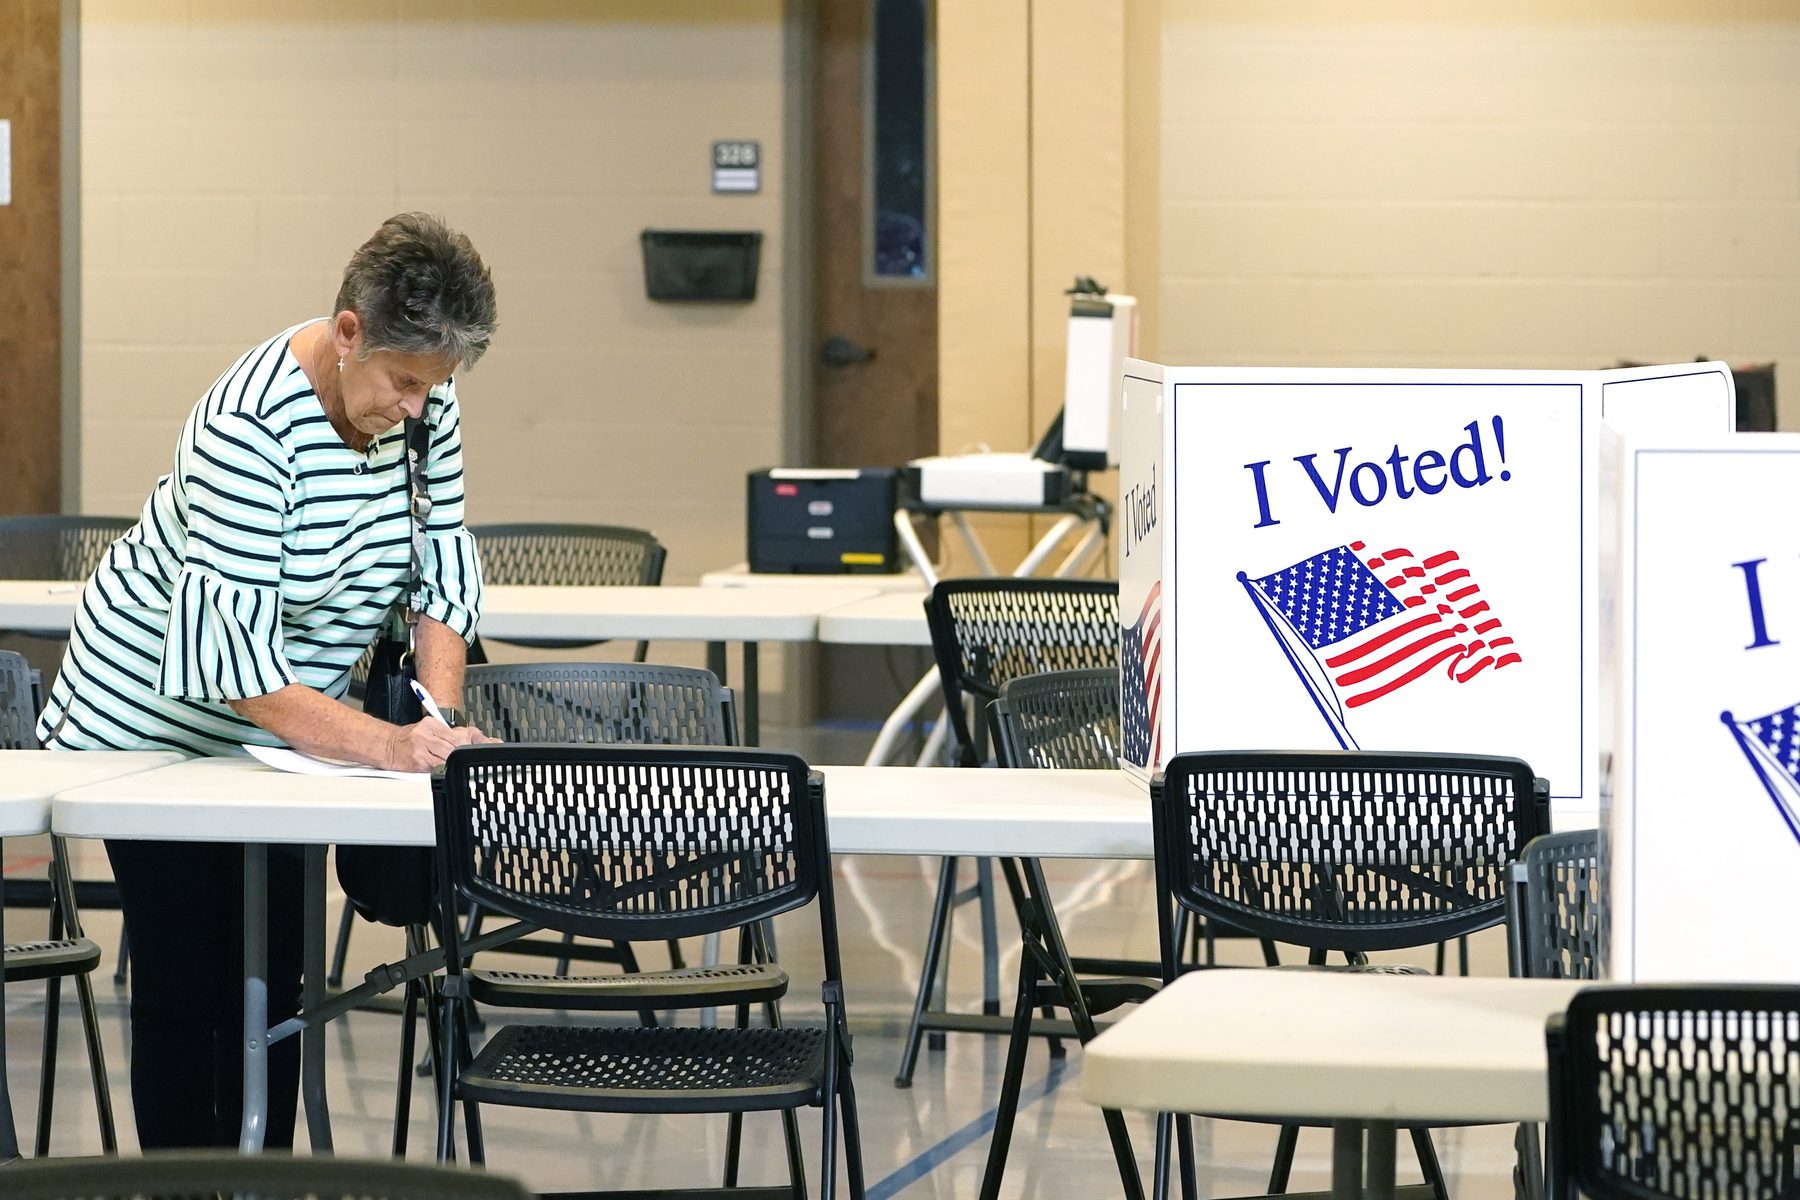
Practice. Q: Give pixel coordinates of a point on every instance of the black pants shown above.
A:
(184, 915)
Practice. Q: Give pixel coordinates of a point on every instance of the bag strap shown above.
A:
(418, 507)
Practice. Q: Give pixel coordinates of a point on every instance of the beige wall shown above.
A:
(1032, 150)
(1518, 184)
(234, 152)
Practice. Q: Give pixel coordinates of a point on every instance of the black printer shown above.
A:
(822, 521)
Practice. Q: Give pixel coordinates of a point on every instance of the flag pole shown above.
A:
(1754, 754)
(1333, 719)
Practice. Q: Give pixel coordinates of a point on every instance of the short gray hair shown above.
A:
(420, 288)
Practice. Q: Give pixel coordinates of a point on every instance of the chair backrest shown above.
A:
(599, 702)
(635, 843)
(1556, 912)
(209, 1174)
(56, 546)
(1341, 850)
(986, 632)
(1676, 1093)
(18, 703)
(1059, 719)
(568, 555)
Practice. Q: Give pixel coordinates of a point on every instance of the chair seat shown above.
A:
(662, 1070)
(687, 987)
(26, 961)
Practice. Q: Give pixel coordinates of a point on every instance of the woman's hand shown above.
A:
(425, 744)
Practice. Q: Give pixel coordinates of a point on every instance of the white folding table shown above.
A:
(1369, 1052)
(696, 614)
(40, 606)
(739, 575)
(872, 810)
(28, 780)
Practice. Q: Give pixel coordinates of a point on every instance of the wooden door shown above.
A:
(874, 335)
(30, 260)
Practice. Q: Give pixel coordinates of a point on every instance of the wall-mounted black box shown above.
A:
(700, 264)
(822, 522)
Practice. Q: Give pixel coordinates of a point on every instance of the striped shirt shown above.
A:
(270, 555)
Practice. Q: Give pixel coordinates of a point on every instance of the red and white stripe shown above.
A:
(1150, 635)
(1447, 624)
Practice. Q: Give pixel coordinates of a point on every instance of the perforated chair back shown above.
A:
(57, 547)
(1557, 915)
(987, 632)
(206, 1175)
(605, 703)
(631, 843)
(568, 555)
(1059, 720)
(18, 703)
(1342, 850)
(1676, 1093)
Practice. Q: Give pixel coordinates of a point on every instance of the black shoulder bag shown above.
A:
(396, 885)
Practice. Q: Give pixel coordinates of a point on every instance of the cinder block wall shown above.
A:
(1521, 184)
(234, 153)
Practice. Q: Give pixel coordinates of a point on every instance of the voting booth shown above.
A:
(1702, 636)
(1377, 560)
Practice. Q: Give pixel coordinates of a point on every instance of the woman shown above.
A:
(261, 569)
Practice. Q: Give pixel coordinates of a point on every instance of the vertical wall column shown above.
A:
(1036, 170)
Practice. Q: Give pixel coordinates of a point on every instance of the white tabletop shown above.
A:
(670, 613)
(1274, 1043)
(42, 606)
(890, 619)
(873, 810)
(739, 575)
(29, 778)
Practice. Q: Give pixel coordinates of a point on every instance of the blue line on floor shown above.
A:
(932, 1157)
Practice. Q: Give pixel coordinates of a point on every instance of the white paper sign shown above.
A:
(5, 162)
(1377, 560)
(1704, 816)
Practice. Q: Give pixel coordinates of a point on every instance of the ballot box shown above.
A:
(1701, 637)
(1375, 559)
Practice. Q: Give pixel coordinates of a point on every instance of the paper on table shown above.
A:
(283, 759)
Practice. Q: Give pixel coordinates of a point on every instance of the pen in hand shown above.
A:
(430, 705)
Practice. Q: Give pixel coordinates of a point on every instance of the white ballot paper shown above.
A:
(283, 759)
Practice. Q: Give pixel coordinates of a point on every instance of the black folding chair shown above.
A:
(1676, 1093)
(984, 633)
(1059, 720)
(1556, 927)
(578, 703)
(567, 555)
(638, 844)
(207, 1175)
(64, 953)
(1344, 851)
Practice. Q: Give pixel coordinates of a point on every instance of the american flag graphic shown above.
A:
(1359, 625)
(1140, 664)
(1772, 746)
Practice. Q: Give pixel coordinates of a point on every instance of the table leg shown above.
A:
(1346, 1160)
(715, 659)
(1379, 1181)
(9, 1134)
(255, 1124)
(312, 1039)
(752, 697)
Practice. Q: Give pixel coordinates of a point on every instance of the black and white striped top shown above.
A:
(269, 556)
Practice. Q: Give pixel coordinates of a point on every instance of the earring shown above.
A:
(340, 362)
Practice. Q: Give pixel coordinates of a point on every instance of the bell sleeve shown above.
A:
(224, 637)
(451, 577)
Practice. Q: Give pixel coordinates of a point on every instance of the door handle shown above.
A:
(839, 351)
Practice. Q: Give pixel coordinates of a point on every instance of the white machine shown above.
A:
(1102, 335)
(988, 480)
